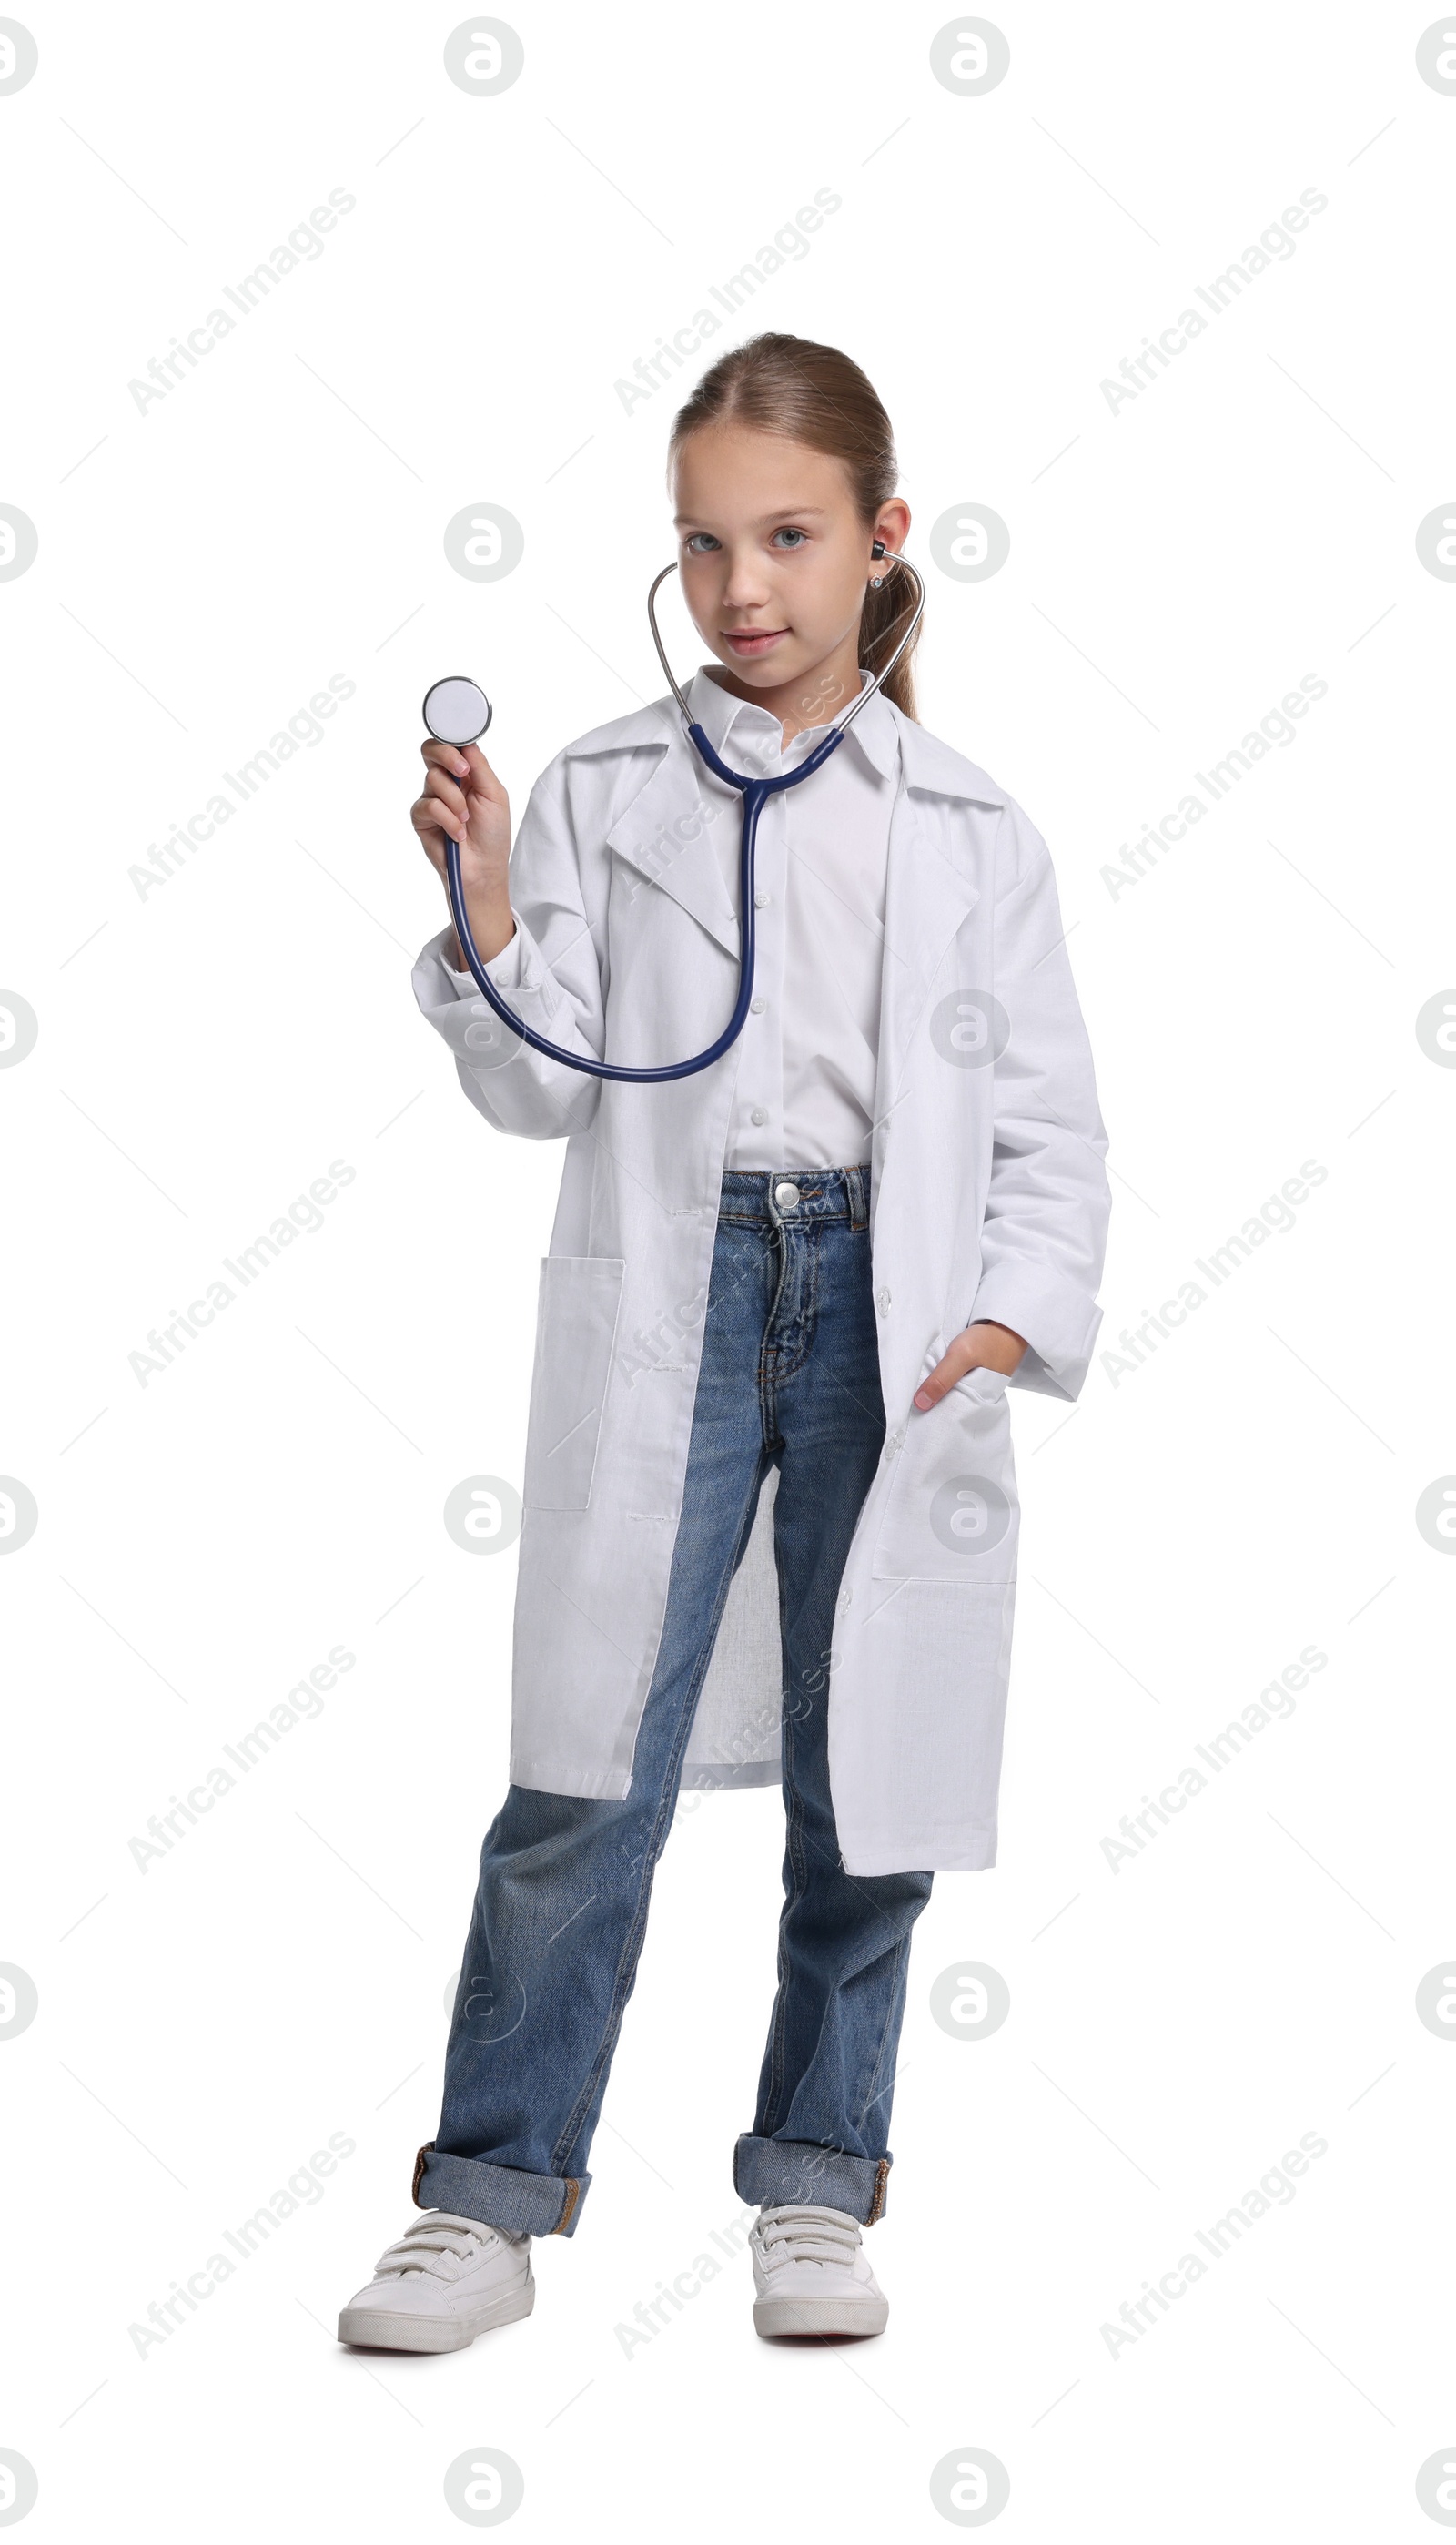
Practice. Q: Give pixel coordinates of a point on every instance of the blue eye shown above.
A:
(691, 542)
(798, 536)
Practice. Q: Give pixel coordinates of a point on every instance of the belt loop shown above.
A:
(858, 1204)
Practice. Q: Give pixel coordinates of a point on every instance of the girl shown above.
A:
(769, 1511)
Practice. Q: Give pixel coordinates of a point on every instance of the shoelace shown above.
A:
(807, 2235)
(435, 2232)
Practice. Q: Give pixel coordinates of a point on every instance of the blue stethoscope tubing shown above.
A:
(754, 792)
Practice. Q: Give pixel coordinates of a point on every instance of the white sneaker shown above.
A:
(446, 2279)
(811, 2274)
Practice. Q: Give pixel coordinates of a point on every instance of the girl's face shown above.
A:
(774, 560)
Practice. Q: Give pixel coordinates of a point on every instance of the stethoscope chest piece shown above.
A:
(456, 710)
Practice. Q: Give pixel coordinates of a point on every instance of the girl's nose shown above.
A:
(746, 586)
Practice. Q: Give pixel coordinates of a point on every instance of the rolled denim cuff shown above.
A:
(499, 2195)
(802, 2173)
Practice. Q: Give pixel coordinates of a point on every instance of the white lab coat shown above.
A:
(989, 1198)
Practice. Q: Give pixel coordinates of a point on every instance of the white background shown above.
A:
(206, 1051)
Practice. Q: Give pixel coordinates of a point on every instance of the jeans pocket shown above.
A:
(576, 1326)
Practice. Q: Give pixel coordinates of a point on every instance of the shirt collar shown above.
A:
(722, 716)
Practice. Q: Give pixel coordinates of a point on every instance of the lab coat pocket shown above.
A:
(576, 1326)
(950, 1513)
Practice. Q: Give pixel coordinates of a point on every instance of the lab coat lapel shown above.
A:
(666, 836)
(928, 889)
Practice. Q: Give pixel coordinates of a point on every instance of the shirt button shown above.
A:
(882, 1301)
(757, 1007)
(761, 901)
(757, 1115)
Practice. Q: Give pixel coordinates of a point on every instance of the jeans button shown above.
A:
(787, 1196)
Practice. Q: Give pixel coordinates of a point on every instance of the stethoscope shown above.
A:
(456, 710)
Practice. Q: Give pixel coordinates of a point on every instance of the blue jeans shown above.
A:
(790, 1377)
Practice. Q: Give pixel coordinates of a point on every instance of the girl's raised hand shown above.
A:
(464, 799)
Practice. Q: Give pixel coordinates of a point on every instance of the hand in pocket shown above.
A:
(983, 1346)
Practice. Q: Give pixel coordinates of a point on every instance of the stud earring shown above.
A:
(875, 581)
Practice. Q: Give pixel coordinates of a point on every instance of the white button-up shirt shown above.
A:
(804, 1093)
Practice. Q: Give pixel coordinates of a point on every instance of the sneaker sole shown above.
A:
(821, 2315)
(379, 2329)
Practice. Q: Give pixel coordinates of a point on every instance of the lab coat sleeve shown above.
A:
(504, 968)
(1046, 1225)
(550, 973)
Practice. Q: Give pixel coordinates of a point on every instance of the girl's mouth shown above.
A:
(750, 641)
